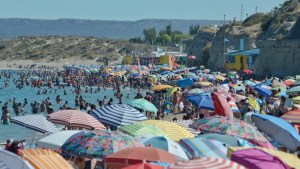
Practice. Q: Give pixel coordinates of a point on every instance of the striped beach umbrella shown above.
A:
(292, 117)
(174, 131)
(138, 129)
(206, 163)
(197, 147)
(42, 159)
(35, 122)
(10, 160)
(76, 119)
(185, 124)
(118, 115)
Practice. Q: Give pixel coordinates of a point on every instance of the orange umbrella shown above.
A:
(289, 82)
(44, 159)
(160, 87)
(143, 166)
(140, 154)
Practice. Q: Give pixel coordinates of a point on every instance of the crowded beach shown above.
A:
(155, 116)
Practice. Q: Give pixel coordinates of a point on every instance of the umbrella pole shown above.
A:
(32, 139)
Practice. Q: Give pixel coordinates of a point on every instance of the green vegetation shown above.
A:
(255, 19)
(193, 30)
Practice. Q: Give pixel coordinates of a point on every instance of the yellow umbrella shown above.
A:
(172, 90)
(220, 77)
(160, 87)
(204, 84)
(296, 99)
(117, 74)
(174, 131)
(44, 159)
(290, 159)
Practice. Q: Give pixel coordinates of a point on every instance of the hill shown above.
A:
(14, 27)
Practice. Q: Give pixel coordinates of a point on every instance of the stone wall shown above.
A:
(278, 58)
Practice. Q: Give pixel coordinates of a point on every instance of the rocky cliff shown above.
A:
(201, 43)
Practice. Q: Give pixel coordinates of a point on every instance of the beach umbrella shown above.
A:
(245, 72)
(222, 107)
(296, 99)
(293, 90)
(192, 57)
(204, 148)
(143, 104)
(230, 126)
(173, 89)
(139, 154)
(35, 122)
(185, 124)
(202, 101)
(278, 129)
(186, 82)
(9, 160)
(117, 115)
(289, 82)
(160, 87)
(173, 131)
(143, 166)
(248, 158)
(290, 159)
(42, 158)
(56, 140)
(292, 117)
(166, 144)
(138, 129)
(204, 84)
(278, 87)
(249, 83)
(99, 144)
(263, 91)
(195, 91)
(227, 139)
(76, 119)
(254, 104)
(296, 84)
(206, 163)
(206, 71)
(281, 94)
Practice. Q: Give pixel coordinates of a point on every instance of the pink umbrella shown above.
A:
(192, 57)
(76, 119)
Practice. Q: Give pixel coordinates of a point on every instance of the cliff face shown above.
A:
(233, 33)
(278, 58)
(200, 45)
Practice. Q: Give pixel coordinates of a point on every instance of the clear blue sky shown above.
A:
(132, 9)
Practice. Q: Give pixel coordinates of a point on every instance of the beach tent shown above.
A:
(56, 140)
(44, 159)
(9, 160)
(118, 115)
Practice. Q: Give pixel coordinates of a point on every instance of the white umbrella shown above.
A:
(35, 122)
(10, 160)
(166, 144)
(56, 140)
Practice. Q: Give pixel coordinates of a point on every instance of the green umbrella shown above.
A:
(143, 104)
(139, 129)
(294, 90)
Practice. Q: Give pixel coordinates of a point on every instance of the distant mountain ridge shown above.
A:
(15, 27)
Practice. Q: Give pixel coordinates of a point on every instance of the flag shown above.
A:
(226, 40)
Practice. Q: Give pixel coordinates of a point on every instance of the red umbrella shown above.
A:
(76, 119)
(192, 57)
(139, 154)
(222, 107)
(143, 166)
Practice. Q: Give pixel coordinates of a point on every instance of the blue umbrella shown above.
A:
(263, 91)
(202, 101)
(186, 82)
(278, 129)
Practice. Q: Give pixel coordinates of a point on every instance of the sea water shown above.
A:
(14, 131)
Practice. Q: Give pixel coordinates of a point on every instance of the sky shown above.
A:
(133, 9)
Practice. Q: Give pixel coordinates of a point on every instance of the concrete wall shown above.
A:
(278, 58)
